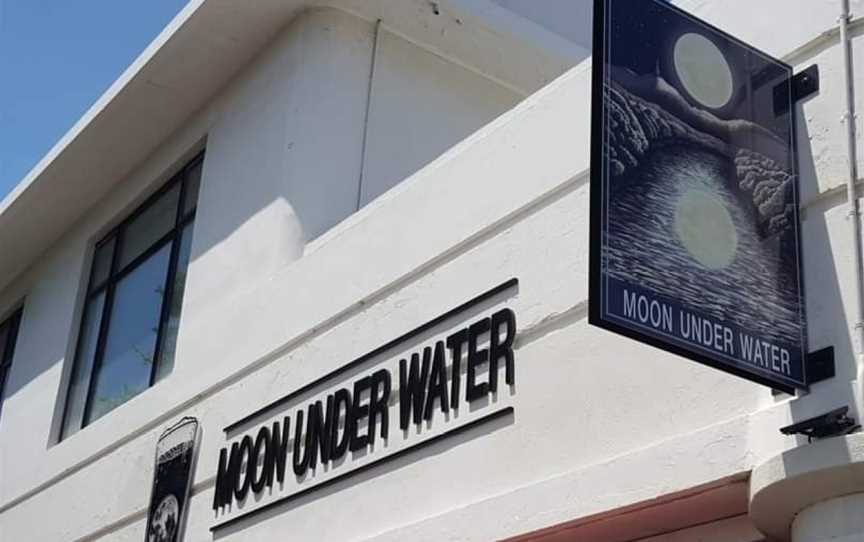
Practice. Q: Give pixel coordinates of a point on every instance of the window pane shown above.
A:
(83, 365)
(4, 333)
(172, 323)
(8, 336)
(102, 263)
(149, 226)
(4, 371)
(129, 347)
(193, 183)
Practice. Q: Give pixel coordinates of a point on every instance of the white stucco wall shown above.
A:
(410, 89)
(572, 21)
(283, 288)
(270, 180)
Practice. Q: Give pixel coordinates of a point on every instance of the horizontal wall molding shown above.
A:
(481, 236)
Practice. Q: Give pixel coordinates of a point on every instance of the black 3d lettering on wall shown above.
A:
(470, 363)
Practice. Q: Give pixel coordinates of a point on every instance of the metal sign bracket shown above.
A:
(805, 83)
(820, 365)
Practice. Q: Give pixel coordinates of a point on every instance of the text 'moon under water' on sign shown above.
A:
(694, 198)
(450, 378)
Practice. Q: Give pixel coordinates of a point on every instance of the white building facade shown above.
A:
(354, 183)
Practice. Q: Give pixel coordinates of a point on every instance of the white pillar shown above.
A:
(838, 520)
(812, 493)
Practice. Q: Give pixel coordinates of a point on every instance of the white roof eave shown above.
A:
(195, 56)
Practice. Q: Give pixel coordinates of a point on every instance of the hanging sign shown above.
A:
(694, 198)
(172, 479)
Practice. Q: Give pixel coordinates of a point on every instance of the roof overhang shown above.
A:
(197, 54)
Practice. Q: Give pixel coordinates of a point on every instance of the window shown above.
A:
(8, 335)
(132, 308)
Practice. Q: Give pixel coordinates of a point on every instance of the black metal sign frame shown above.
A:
(173, 471)
(599, 313)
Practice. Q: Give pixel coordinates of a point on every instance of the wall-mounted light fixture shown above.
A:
(830, 424)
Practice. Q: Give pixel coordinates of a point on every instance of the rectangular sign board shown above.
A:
(172, 481)
(695, 243)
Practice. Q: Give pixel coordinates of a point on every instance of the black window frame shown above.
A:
(13, 325)
(116, 273)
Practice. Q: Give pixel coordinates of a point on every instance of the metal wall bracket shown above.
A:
(820, 365)
(805, 83)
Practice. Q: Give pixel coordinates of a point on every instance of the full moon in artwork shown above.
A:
(703, 70)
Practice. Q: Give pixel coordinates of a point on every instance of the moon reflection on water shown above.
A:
(704, 227)
(675, 213)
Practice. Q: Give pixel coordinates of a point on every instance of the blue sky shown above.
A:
(56, 58)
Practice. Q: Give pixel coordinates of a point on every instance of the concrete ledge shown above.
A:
(791, 482)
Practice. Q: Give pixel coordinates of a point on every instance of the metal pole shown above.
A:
(851, 191)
